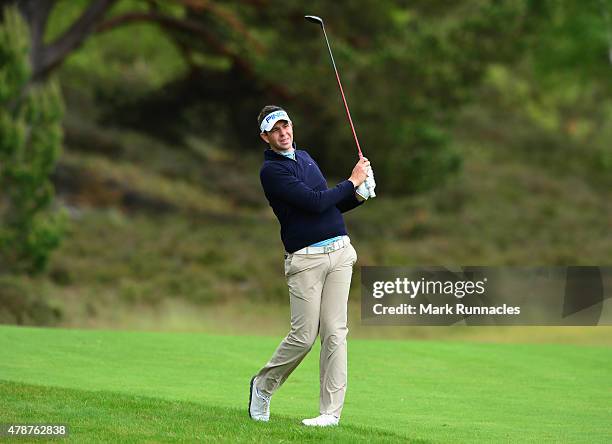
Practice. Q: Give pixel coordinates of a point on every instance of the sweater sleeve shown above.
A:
(349, 203)
(280, 183)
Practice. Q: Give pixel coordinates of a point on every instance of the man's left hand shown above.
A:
(366, 191)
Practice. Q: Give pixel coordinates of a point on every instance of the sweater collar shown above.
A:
(270, 154)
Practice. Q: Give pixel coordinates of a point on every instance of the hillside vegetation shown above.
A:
(489, 126)
(143, 235)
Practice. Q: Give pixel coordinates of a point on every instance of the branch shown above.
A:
(168, 22)
(53, 54)
(226, 16)
(195, 28)
(200, 5)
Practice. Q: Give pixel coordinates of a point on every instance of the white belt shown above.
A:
(340, 243)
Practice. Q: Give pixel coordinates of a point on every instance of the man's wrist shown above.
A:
(351, 180)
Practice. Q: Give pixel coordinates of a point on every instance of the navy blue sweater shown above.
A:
(307, 210)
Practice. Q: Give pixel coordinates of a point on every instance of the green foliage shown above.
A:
(21, 303)
(30, 143)
(114, 62)
(406, 68)
(572, 41)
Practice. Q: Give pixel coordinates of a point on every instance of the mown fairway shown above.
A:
(129, 386)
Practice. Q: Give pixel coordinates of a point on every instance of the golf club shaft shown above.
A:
(348, 113)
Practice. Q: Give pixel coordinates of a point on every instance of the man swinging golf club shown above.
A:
(319, 259)
(318, 265)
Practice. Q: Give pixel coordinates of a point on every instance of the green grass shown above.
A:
(127, 386)
(138, 418)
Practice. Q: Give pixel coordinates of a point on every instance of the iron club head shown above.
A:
(314, 19)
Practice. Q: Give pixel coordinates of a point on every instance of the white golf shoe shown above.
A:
(259, 404)
(324, 420)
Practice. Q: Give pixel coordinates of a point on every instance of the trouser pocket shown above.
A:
(288, 258)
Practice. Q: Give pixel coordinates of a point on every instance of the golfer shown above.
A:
(319, 262)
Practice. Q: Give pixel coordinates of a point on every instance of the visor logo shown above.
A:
(274, 115)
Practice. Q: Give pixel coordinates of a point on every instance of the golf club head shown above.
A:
(314, 19)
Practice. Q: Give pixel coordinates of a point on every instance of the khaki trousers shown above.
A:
(318, 290)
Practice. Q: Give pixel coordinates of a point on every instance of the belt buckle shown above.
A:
(328, 248)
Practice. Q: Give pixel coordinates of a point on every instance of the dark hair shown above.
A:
(265, 111)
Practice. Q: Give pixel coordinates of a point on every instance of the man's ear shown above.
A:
(264, 136)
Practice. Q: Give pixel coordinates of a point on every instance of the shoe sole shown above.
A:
(251, 395)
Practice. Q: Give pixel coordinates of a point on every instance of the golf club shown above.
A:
(319, 21)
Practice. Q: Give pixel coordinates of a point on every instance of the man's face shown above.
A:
(280, 137)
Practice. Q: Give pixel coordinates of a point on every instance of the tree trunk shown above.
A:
(36, 13)
(47, 57)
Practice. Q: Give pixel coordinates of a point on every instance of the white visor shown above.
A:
(268, 122)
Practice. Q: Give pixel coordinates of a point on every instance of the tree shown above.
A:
(178, 17)
(30, 142)
(408, 68)
(46, 57)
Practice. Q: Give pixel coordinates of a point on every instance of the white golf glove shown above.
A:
(366, 189)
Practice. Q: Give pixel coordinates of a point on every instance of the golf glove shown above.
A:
(366, 189)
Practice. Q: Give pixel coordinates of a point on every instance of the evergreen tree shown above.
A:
(30, 144)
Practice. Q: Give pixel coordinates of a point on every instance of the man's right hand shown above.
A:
(360, 172)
